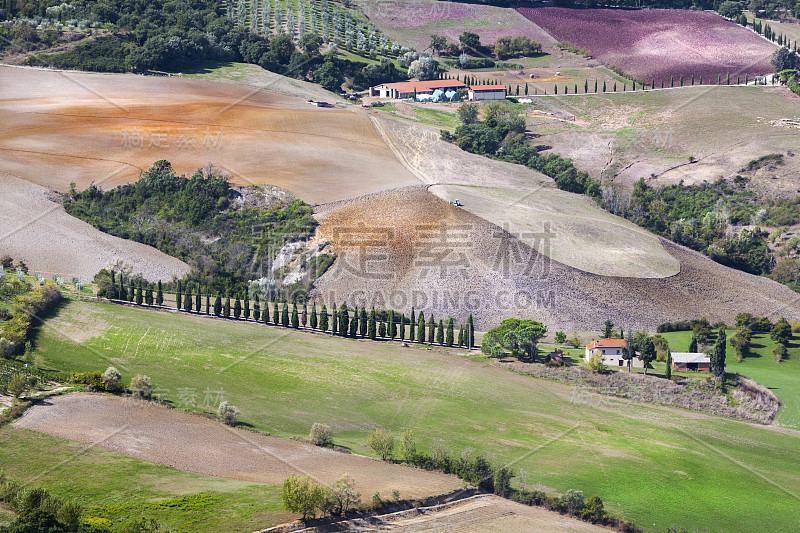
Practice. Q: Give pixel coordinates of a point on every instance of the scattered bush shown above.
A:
(17, 385)
(141, 386)
(381, 442)
(321, 434)
(229, 414)
(341, 496)
(573, 501)
(112, 380)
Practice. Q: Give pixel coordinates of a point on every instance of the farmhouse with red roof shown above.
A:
(611, 352)
(406, 89)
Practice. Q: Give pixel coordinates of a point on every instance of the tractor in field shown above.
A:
(456, 202)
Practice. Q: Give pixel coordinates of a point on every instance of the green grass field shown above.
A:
(783, 379)
(121, 488)
(658, 467)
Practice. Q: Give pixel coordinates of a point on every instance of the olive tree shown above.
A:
(381, 442)
(228, 413)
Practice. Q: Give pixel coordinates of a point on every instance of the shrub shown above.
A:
(302, 495)
(17, 385)
(382, 443)
(341, 496)
(321, 434)
(112, 380)
(141, 386)
(596, 364)
(593, 510)
(228, 413)
(93, 380)
(6, 348)
(408, 446)
(573, 501)
(502, 481)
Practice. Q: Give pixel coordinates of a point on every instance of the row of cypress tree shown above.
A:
(340, 321)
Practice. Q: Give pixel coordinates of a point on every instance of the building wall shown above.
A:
(478, 96)
(613, 358)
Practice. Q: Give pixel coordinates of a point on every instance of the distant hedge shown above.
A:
(28, 310)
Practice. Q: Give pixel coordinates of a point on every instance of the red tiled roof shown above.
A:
(487, 87)
(606, 343)
(409, 86)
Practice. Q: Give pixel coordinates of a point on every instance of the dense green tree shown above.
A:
(608, 329)
(313, 320)
(781, 332)
(131, 291)
(372, 327)
(382, 329)
(323, 318)
(391, 327)
(561, 337)
(187, 300)
(226, 310)
(668, 371)
(401, 326)
(160, 294)
(139, 295)
(246, 305)
(354, 324)
(334, 319)
(520, 337)
(304, 315)
(412, 325)
(470, 332)
(647, 352)
(285, 315)
(363, 323)
(344, 320)
(237, 308)
(449, 337)
(217, 306)
(178, 296)
(276, 313)
(256, 308)
(148, 296)
(295, 317)
(440, 332)
(421, 327)
(693, 345)
(208, 301)
(431, 329)
(718, 355)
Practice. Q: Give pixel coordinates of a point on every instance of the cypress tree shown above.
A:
(217, 306)
(440, 333)
(362, 326)
(701, 80)
(526, 89)
(178, 296)
(693, 345)
(256, 308)
(555, 88)
(237, 308)
(382, 329)
(461, 335)
(187, 300)
(131, 291)
(160, 294)
(595, 85)
(681, 81)
(401, 327)
(334, 319)
(226, 311)
(313, 320)
(371, 326)
(575, 88)
(586, 86)
(604, 85)
(284, 315)
(692, 79)
(354, 324)
(653, 83)
(198, 300)
(304, 315)
(323, 318)
(139, 296)
(668, 372)
(295, 317)
(276, 314)
(449, 337)
(148, 296)
(469, 333)
(344, 320)
(246, 310)
(391, 328)
(208, 302)
(411, 325)
(112, 291)
(431, 329)
(719, 79)
(421, 327)
(728, 79)
(517, 90)
(634, 85)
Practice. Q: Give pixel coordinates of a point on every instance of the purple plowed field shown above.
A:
(660, 43)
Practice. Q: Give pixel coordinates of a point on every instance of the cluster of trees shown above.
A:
(703, 217)
(302, 495)
(520, 337)
(470, 44)
(501, 135)
(28, 311)
(747, 325)
(194, 220)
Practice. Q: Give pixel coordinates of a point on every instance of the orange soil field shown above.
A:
(62, 127)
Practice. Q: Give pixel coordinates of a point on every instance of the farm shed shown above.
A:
(406, 89)
(487, 92)
(611, 352)
(691, 361)
(557, 357)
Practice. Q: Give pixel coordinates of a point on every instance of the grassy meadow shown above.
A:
(659, 467)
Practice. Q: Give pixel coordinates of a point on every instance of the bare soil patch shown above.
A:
(196, 444)
(38, 231)
(83, 128)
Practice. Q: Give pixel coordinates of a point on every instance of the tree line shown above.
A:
(338, 320)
